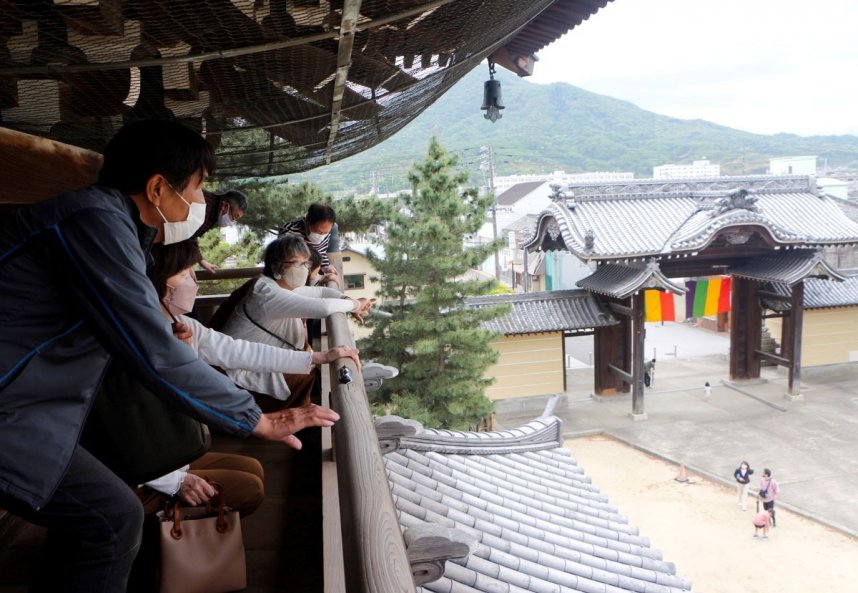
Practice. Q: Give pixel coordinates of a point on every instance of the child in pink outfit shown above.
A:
(762, 520)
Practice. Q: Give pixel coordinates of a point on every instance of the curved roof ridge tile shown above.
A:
(538, 434)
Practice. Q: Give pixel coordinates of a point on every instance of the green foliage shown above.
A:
(247, 252)
(438, 346)
(562, 127)
(273, 202)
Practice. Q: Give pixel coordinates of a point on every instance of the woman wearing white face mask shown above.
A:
(317, 228)
(273, 310)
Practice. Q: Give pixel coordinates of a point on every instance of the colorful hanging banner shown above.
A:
(659, 305)
(705, 297)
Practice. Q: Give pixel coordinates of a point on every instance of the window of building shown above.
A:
(347, 258)
(354, 281)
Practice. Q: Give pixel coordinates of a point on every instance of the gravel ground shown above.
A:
(700, 527)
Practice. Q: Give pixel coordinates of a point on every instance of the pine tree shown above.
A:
(272, 204)
(438, 345)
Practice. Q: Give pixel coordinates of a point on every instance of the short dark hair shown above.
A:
(279, 249)
(145, 148)
(320, 213)
(767, 472)
(171, 259)
(235, 198)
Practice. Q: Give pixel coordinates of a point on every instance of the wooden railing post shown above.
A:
(373, 547)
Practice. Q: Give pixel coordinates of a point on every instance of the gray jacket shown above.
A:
(74, 292)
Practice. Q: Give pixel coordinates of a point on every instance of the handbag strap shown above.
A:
(221, 525)
(266, 330)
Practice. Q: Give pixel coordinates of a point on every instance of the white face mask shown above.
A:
(316, 238)
(175, 232)
(225, 220)
(295, 277)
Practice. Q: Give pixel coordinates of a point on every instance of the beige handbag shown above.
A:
(202, 550)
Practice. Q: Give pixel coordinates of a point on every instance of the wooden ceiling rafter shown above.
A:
(348, 24)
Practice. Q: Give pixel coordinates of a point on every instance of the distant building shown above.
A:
(506, 182)
(696, 170)
(792, 165)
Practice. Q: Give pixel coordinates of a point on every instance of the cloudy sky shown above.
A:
(763, 66)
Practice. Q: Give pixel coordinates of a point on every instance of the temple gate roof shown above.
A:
(657, 219)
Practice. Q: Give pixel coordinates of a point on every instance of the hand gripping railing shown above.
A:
(374, 557)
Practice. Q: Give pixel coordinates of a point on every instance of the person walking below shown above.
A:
(707, 391)
(649, 372)
(743, 475)
(769, 491)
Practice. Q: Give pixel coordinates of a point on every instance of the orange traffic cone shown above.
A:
(681, 477)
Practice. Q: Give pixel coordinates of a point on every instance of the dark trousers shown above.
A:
(94, 524)
(770, 506)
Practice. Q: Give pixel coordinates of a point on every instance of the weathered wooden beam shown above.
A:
(638, 344)
(351, 12)
(621, 374)
(772, 295)
(34, 168)
(778, 360)
(796, 320)
(621, 310)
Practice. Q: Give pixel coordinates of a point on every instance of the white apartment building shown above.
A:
(792, 165)
(563, 178)
(697, 169)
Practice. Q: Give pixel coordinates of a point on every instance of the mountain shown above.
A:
(562, 127)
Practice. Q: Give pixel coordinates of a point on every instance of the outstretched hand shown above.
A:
(362, 307)
(282, 425)
(329, 356)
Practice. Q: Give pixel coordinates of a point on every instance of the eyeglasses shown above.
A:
(298, 264)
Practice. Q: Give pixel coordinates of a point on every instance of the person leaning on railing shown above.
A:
(75, 294)
(272, 312)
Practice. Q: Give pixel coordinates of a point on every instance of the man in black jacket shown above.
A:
(74, 294)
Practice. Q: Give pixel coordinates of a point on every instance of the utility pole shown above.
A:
(486, 156)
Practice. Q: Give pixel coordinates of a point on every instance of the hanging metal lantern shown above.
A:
(492, 99)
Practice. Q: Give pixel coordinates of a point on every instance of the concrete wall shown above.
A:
(528, 365)
(356, 264)
(828, 336)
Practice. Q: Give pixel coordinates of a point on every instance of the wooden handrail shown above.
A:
(228, 273)
(374, 554)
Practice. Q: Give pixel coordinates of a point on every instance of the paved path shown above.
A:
(809, 445)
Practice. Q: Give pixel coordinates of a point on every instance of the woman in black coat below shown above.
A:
(743, 475)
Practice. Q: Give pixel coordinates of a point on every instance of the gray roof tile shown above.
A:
(649, 218)
(517, 192)
(786, 269)
(819, 294)
(550, 311)
(540, 524)
(620, 281)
